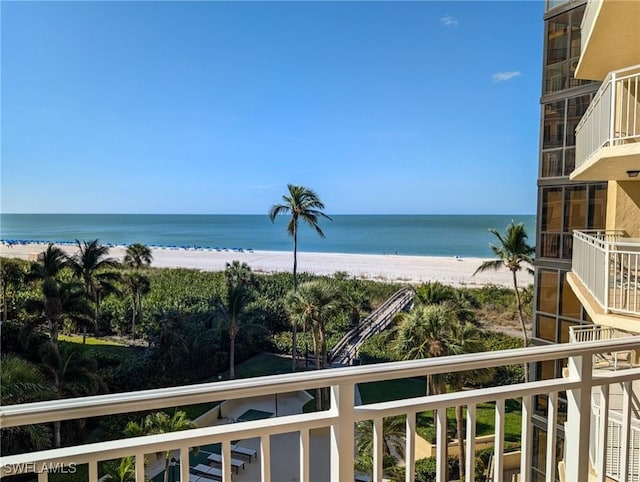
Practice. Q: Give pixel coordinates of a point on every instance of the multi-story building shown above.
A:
(588, 239)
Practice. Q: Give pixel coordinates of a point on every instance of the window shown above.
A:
(553, 125)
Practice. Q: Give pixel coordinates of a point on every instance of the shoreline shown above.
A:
(454, 271)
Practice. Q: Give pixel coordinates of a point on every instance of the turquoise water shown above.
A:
(429, 235)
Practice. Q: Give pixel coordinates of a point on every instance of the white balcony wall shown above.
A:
(344, 412)
(613, 117)
(609, 267)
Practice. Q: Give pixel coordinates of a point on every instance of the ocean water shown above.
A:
(428, 235)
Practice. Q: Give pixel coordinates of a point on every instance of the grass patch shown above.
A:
(90, 340)
(98, 345)
(485, 421)
(389, 390)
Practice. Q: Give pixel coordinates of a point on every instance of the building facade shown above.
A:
(585, 194)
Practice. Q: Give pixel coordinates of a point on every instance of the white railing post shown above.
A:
(603, 435)
(612, 110)
(625, 438)
(265, 459)
(140, 468)
(305, 450)
(526, 439)
(342, 432)
(552, 407)
(470, 469)
(578, 419)
(378, 440)
(226, 461)
(498, 444)
(184, 464)
(410, 449)
(442, 448)
(607, 261)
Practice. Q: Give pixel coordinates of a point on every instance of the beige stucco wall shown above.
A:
(623, 207)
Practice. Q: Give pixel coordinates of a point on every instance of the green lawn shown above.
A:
(388, 390)
(90, 340)
(102, 345)
(415, 387)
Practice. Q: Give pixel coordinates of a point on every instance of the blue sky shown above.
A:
(213, 107)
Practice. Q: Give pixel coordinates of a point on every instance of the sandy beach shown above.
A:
(404, 269)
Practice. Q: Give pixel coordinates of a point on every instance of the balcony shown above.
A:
(608, 136)
(609, 37)
(587, 411)
(607, 266)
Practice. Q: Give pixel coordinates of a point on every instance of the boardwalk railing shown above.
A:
(609, 267)
(343, 413)
(347, 348)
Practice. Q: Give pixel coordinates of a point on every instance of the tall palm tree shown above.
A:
(303, 204)
(137, 256)
(160, 422)
(138, 285)
(90, 265)
(513, 253)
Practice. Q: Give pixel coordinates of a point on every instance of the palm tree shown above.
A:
(160, 422)
(234, 317)
(302, 204)
(23, 382)
(61, 300)
(312, 306)
(89, 265)
(394, 433)
(423, 333)
(11, 274)
(122, 471)
(73, 373)
(463, 338)
(512, 252)
(137, 256)
(434, 331)
(138, 285)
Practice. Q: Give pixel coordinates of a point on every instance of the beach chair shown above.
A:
(200, 478)
(209, 472)
(235, 463)
(245, 451)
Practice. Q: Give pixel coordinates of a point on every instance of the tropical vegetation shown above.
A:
(166, 327)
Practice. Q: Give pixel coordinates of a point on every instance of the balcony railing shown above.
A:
(343, 413)
(608, 265)
(613, 117)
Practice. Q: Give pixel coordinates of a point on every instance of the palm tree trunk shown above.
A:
(57, 440)
(522, 325)
(133, 316)
(459, 428)
(294, 348)
(232, 355)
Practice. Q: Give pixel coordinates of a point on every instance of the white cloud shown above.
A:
(449, 21)
(504, 76)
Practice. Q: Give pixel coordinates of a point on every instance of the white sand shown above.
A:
(405, 269)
